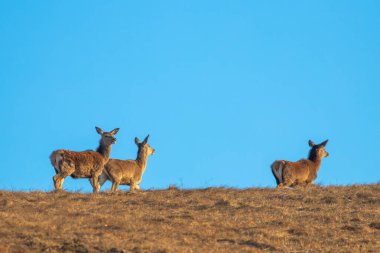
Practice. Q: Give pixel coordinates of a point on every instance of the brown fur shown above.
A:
(127, 172)
(85, 164)
(302, 172)
(277, 167)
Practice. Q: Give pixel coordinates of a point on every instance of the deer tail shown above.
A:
(55, 159)
(277, 170)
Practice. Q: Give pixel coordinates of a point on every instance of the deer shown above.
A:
(128, 172)
(302, 172)
(84, 164)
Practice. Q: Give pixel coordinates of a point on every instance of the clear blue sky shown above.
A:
(224, 88)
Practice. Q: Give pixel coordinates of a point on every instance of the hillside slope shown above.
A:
(318, 219)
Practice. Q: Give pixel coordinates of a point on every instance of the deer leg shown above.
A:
(297, 184)
(115, 184)
(95, 184)
(132, 185)
(58, 180)
(92, 183)
(57, 183)
(288, 179)
(66, 170)
(284, 184)
(287, 182)
(309, 183)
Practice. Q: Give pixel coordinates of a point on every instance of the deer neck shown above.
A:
(142, 159)
(316, 160)
(104, 150)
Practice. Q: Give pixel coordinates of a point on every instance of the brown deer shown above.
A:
(85, 164)
(302, 172)
(127, 172)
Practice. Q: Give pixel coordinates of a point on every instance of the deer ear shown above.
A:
(115, 131)
(146, 139)
(324, 143)
(100, 131)
(137, 141)
(311, 143)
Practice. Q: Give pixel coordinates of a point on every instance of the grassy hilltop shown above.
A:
(317, 219)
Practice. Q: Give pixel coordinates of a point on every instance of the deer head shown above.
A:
(107, 137)
(318, 150)
(144, 147)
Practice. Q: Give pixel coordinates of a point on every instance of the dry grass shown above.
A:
(328, 219)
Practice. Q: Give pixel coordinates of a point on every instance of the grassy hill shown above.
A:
(317, 219)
